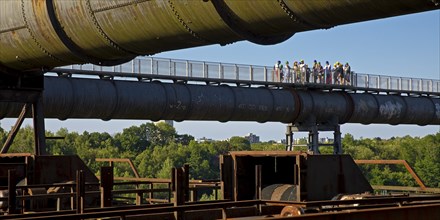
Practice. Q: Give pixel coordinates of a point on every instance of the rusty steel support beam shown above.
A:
(106, 186)
(179, 191)
(258, 185)
(406, 189)
(337, 141)
(134, 211)
(25, 92)
(185, 170)
(12, 194)
(411, 212)
(80, 191)
(396, 162)
(39, 128)
(15, 129)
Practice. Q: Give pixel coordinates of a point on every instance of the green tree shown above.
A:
(239, 144)
(165, 170)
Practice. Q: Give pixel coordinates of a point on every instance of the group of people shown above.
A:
(302, 73)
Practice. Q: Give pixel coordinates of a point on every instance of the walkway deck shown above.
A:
(187, 71)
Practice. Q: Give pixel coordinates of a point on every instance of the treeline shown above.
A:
(156, 148)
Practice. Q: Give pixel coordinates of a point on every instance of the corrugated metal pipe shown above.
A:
(112, 99)
(36, 35)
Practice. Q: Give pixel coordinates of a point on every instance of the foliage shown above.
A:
(423, 154)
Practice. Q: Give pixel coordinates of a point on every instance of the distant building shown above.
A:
(252, 138)
(326, 140)
(169, 122)
(303, 140)
(204, 139)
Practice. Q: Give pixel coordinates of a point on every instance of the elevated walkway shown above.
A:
(189, 71)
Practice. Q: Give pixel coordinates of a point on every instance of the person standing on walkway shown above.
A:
(288, 74)
(347, 74)
(296, 73)
(328, 73)
(315, 71)
(277, 71)
(303, 70)
(320, 73)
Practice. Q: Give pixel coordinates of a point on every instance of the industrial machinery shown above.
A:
(38, 35)
(255, 185)
(289, 176)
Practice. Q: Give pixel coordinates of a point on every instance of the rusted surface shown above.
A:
(291, 211)
(39, 127)
(12, 200)
(407, 189)
(116, 99)
(15, 129)
(49, 33)
(356, 206)
(247, 210)
(411, 212)
(106, 185)
(314, 177)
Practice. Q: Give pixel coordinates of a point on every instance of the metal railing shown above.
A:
(153, 67)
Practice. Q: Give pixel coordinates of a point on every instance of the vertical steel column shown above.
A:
(80, 191)
(38, 118)
(236, 72)
(300, 178)
(187, 68)
(289, 138)
(186, 181)
(150, 194)
(216, 192)
(139, 69)
(258, 177)
(265, 74)
(106, 186)
(337, 144)
(220, 71)
(12, 195)
(139, 196)
(205, 75)
(179, 191)
(313, 140)
(251, 73)
(170, 187)
(400, 83)
(367, 81)
(194, 194)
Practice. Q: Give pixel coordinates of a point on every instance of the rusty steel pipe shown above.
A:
(111, 99)
(36, 35)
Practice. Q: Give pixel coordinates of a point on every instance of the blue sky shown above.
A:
(407, 46)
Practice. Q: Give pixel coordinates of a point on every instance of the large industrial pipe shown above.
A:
(111, 99)
(40, 34)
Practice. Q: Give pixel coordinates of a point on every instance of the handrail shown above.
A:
(191, 70)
